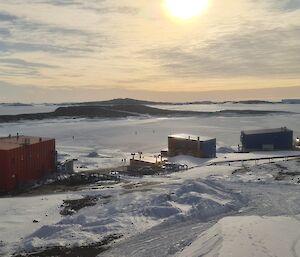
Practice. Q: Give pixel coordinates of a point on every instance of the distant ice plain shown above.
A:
(115, 139)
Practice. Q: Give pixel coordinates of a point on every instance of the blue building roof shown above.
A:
(266, 131)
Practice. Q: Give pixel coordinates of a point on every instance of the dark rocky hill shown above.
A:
(123, 111)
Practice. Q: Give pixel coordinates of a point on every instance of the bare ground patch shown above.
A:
(66, 183)
(91, 250)
(140, 186)
(70, 207)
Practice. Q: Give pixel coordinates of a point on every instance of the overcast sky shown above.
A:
(72, 50)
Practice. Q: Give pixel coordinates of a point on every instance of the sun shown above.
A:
(185, 9)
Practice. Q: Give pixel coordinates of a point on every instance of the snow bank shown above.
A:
(206, 199)
(203, 200)
(283, 172)
(134, 212)
(253, 155)
(226, 149)
(17, 216)
(190, 161)
(247, 237)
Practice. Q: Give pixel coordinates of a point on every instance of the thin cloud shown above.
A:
(4, 32)
(292, 5)
(20, 62)
(7, 17)
(8, 46)
(262, 53)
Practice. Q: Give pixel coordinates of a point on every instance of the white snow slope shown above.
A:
(247, 237)
(179, 214)
(137, 205)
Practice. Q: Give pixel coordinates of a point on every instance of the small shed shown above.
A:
(185, 144)
(267, 139)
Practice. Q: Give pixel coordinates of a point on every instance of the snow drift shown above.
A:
(248, 236)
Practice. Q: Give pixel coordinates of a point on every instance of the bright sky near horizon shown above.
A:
(72, 50)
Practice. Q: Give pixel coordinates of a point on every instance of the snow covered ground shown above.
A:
(245, 209)
(229, 106)
(17, 216)
(206, 209)
(248, 236)
(134, 206)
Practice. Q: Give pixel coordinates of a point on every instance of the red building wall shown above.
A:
(24, 165)
(179, 146)
(196, 148)
(3, 167)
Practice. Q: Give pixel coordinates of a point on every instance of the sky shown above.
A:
(80, 50)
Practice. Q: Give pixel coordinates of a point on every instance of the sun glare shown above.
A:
(185, 9)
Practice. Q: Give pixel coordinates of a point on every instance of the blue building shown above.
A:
(267, 140)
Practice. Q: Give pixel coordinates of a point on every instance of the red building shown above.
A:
(24, 160)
